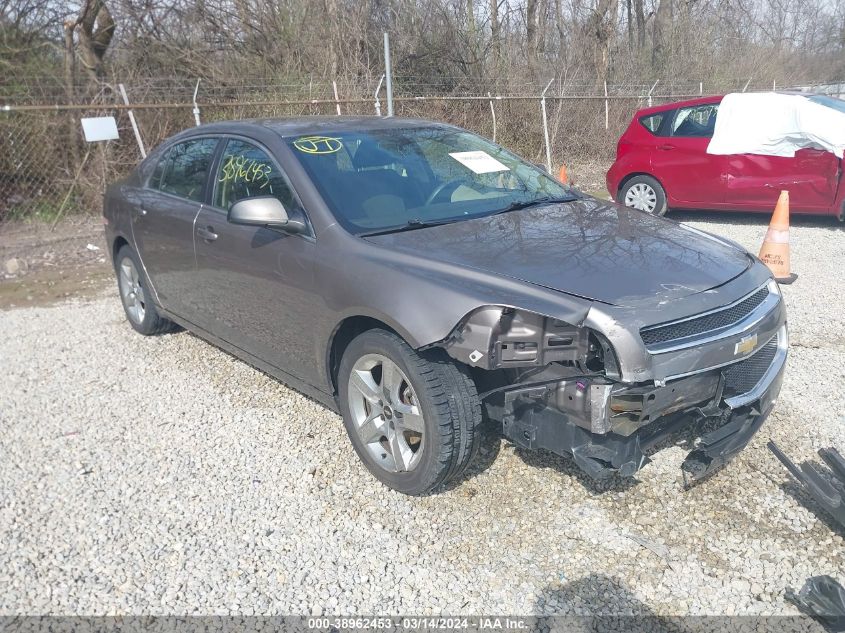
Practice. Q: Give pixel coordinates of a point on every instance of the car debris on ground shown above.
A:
(823, 598)
(825, 485)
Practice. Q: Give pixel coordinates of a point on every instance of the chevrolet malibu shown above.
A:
(420, 279)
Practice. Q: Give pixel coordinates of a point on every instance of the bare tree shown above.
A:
(94, 28)
(662, 17)
(602, 28)
(531, 27)
(495, 32)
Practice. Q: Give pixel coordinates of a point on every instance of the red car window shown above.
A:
(652, 122)
(697, 121)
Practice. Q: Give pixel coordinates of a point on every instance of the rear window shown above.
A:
(652, 122)
(830, 102)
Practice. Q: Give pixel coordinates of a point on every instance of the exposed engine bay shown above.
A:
(557, 386)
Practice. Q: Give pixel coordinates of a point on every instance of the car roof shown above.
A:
(708, 100)
(681, 104)
(312, 125)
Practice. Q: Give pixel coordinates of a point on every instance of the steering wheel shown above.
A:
(439, 189)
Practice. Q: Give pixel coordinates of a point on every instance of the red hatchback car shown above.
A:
(662, 163)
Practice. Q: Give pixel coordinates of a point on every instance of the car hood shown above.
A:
(588, 248)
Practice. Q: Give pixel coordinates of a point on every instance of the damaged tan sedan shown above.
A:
(420, 279)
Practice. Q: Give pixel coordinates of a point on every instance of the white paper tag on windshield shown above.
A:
(479, 162)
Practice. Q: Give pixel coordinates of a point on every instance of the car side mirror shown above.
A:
(265, 211)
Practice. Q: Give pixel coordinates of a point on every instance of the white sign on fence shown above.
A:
(101, 128)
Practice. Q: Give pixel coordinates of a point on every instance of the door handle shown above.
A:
(207, 233)
(666, 147)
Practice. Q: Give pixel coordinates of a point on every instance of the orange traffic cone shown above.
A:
(562, 175)
(775, 250)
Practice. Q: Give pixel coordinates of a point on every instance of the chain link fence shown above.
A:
(47, 170)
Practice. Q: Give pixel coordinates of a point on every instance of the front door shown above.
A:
(255, 286)
(755, 182)
(690, 175)
(163, 218)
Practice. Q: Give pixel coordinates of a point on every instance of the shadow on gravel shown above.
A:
(566, 466)
(800, 494)
(599, 604)
(759, 219)
(607, 604)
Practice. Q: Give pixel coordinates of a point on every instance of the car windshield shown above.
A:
(830, 102)
(379, 180)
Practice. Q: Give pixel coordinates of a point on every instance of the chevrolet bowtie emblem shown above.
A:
(745, 344)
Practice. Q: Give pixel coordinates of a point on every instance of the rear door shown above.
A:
(255, 286)
(680, 161)
(754, 181)
(163, 218)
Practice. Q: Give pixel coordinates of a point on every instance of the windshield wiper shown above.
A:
(416, 223)
(410, 225)
(524, 204)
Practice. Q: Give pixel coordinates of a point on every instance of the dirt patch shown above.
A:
(48, 286)
(588, 177)
(39, 265)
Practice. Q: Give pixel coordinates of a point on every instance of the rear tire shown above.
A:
(643, 193)
(136, 297)
(413, 418)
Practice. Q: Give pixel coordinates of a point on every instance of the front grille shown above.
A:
(706, 323)
(743, 376)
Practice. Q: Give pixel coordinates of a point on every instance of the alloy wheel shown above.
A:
(131, 292)
(386, 413)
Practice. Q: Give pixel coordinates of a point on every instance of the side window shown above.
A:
(653, 121)
(184, 169)
(695, 121)
(247, 172)
(155, 179)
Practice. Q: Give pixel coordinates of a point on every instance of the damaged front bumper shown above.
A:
(612, 427)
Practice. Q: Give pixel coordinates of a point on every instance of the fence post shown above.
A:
(493, 113)
(132, 121)
(653, 86)
(389, 73)
(606, 109)
(336, 100)
(375, 96)
(196, 107)
(546, 126)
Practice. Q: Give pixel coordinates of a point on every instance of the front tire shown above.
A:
(643, 193)
(135, 295)
(413, 418)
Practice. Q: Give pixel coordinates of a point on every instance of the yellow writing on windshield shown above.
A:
(318, 144)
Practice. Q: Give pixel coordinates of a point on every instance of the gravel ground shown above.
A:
(160, 476)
